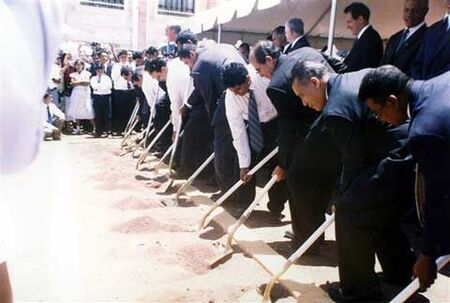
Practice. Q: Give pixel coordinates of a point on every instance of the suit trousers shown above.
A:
(101, 105)
(196, 143)
(312, 177)
(359, 236)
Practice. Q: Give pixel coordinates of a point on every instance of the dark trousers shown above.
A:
(368, 218)
(361, 235)
(312, 176)
(196, 143)
(101, 104)
(122, 105)
(278, 194)
(163, 112)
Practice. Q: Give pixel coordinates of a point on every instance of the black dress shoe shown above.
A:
(337, 295)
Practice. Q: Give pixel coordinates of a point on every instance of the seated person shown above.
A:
(54, 118)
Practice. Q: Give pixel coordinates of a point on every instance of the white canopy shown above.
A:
(261, 16)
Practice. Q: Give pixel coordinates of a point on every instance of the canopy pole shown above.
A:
(332, 26)
(219, 33)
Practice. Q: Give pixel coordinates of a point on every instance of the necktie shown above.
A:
(402, 39)
(49, 114)
(128, 85)
(254, 126)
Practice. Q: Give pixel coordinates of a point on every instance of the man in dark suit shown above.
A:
(367, 49)
(206, 70)
(402, 47)
(394, 98)
(376, 182)
(279, 38)
(294, 30)
(294, 121)
(433, 58)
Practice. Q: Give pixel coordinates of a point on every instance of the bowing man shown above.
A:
(375, 187)
(206, 70)
(253, 124)
(294, 121)
(394, 98)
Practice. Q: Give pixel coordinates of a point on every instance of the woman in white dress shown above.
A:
(80, 107)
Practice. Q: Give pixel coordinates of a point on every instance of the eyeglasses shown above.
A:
(378, 113)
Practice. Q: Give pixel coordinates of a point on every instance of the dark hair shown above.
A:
(186, 49)
(358, 9)
(174, 28)
(186, 36)
(136, 77)
(279, 30)
(381, 82)
(125, 71)
(245, 45)
(305, 70)
(263, 49)
(296, 25)
(155, 65)
(78, 61)
(102, 51)
(152, 50)
(122, 52)
(234, 74)
(46, 94)
(137, 55)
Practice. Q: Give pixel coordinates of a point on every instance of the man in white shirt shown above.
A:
(253, 124)
(101, 96)
(54, 118)
(55, 80)
(117, 67)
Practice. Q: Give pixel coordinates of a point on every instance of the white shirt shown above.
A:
(54, 74)
(151, 89)
(115, 72)
(102, 87)
(54, 111)
(236, 108)
(361, 32)
(179, 88)
(414, 29)
(122, 84)
(447, 16)
(33, 38)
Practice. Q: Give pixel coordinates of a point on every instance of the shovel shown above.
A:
(193, 176)
(409, 290)
(235, 187)
(147, 150)
(242, 219)
(296, 255)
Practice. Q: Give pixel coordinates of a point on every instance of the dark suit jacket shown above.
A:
(207, 72)
(366, 51)
(302, 42)
(430, 146)
(294, 118)
(404, 57)
(376, 171)
(433, 58)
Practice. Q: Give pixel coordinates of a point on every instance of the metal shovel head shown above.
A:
(221, 259)
(164, 188)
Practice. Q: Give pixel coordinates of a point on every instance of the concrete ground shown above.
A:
(84, 226)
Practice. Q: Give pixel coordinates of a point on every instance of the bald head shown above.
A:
(414, 12)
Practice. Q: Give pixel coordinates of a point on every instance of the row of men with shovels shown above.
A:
(359, 140)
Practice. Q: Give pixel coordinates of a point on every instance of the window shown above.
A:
(115, 4)
(176, 7)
